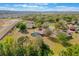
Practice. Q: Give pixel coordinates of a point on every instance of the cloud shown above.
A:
(38, 7)
(7, 8)
(20, 5)
(63, 8)
(39, 4)
(31, 5)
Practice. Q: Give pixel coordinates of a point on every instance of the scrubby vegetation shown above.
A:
(71, 51)
(48, 30)
(23, 47)
(21, 26)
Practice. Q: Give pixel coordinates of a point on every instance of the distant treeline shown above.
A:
(17, 14)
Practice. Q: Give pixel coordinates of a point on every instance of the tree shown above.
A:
(23, 46)
(63, 38)
(18, 24)
(23, 39)
(9, 47)
(57, 26)
(68, 18)
(50, 19)
(22, 26)
(70, 51)
(57, 20)
(6, 46)
(39, 48)
(39, 22)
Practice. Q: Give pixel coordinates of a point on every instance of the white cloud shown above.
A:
(20, 5)
(31, 5)
(41, 3)
(64, 8)
(7, 8)
(39, 7)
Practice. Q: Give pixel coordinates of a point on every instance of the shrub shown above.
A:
(63, 38)
(22, 26)
(40, 48)
(6, 46)
(70, 51)
(23, 46)
(68, 19)
(18, 25)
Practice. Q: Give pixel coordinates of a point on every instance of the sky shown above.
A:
(40, 6)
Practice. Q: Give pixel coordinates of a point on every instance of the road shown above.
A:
(7, 28)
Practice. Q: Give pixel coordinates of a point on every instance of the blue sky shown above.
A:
(40, 6)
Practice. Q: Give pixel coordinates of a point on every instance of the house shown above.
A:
(41, 31)
(71, 27)
(30, 24)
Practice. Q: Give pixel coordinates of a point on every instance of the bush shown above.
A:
(23, 46)
(21, 26)
(6, 46)
(40, 48)
(63, 38)
(68, 19)
(70, 51)
(18, 25)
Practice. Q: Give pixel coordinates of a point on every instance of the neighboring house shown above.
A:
(69, 32)
(71, 27)
(30, 24)
(41, 31)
